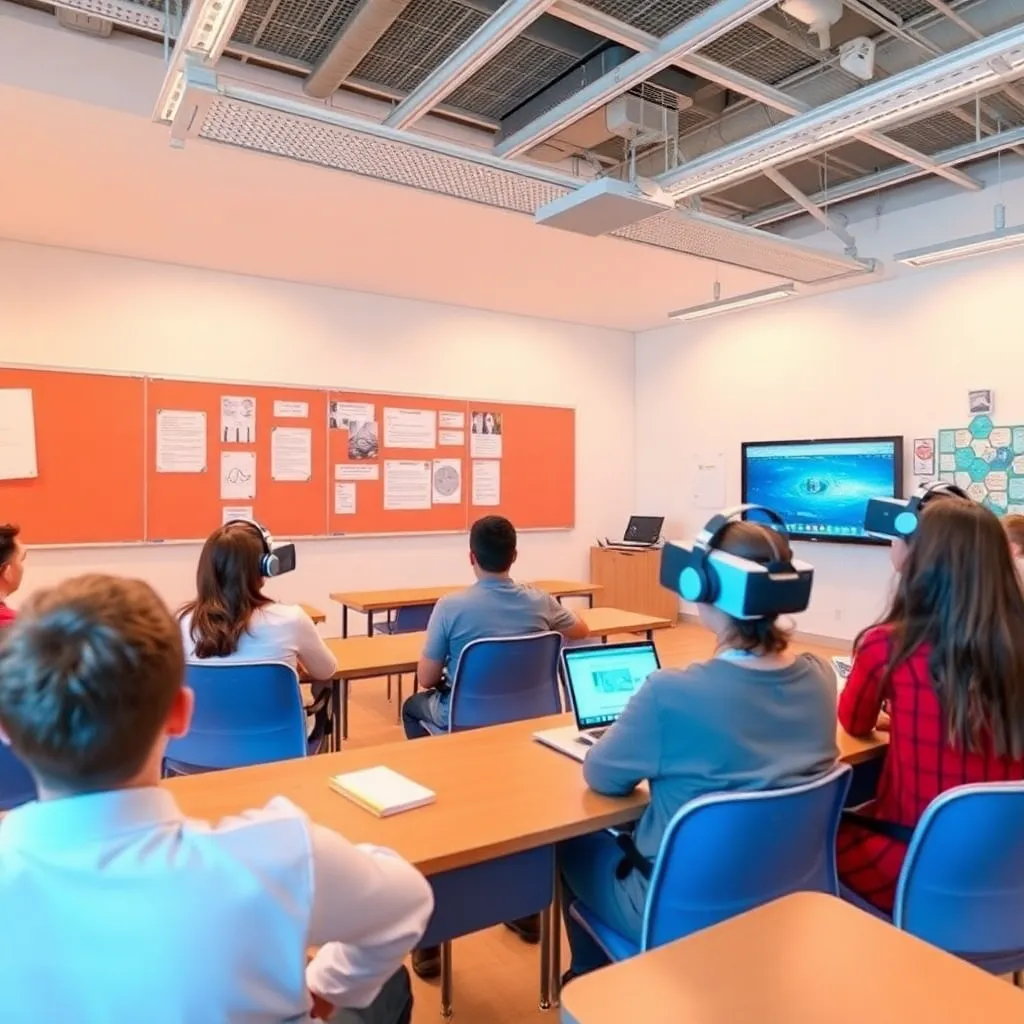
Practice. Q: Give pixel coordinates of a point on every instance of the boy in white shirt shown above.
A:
(118, 908)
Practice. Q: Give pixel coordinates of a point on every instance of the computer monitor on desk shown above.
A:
(641, 532)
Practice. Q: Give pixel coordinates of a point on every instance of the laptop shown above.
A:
(601, 678)
(641, 532)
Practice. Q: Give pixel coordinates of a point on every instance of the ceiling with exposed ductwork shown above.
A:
(725, 117)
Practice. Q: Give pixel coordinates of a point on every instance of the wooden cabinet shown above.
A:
(630, 581)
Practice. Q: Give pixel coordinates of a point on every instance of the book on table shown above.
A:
(381, 791)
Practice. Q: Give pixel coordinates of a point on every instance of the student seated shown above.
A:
(117, 907)
(495, 606)
(947, 660)
(233, 620)
(753, 717)
(12, 568)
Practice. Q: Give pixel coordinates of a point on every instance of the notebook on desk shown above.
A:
(381, 791)
(600, 679)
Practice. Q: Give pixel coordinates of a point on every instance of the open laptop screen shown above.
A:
(644, 529)
(603, 677)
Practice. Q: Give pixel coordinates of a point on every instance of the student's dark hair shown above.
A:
(959, 594)
(493, 543)
(1014, 526)
(229, 588)
(763, 545)
(88, 672)
(8, 542)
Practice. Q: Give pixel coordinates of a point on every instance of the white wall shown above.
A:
(64, 308)
(895, 357)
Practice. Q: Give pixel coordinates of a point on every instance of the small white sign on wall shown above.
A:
(709, 480)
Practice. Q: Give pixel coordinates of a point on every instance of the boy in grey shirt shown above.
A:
(754, 717)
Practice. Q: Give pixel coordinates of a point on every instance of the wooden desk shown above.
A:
(793, 961)
(367, 657)
(631, 579)
(498, 792)
(370, 602)
(314, 613)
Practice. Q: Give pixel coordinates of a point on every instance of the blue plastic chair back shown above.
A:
(727, 853)
(244, 714)
(506, 679)
(962, 883)
(16, 785)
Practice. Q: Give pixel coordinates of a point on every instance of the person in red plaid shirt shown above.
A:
(947, 661)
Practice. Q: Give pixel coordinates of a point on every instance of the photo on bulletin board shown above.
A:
(980, 401)
(485, 437)
(363, 440)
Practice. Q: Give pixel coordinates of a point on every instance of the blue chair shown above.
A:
(962, 883)
(408, 619)
(244, 714)
(727, 853)
(505, 679)
(497, 680)
(16, 785)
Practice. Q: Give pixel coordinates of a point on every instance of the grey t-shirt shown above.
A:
(716, 727)
(489, 608)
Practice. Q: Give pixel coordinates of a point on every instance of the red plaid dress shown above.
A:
(921, 763)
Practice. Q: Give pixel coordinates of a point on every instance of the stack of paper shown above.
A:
(382, 791)
(842, 666)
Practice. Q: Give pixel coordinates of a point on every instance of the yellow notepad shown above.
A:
(382, 791)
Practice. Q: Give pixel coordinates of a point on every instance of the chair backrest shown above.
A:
(962, 883)
(16, 785)
(730, 852)
(244, 714)
(506, 679)
(412, 618)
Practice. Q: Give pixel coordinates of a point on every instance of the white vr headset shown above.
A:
(276, 561)
(745, 589)
(898, 518)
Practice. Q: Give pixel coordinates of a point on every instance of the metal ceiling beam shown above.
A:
(760, 92)
(488, 40)
(691, 35)
(357, 37)
(808, 205)
(899, 175)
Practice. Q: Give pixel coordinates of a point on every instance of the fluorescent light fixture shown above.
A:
(780, 291)
(961, 248)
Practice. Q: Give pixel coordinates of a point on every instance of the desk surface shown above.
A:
(314, 613)
(363, 657)
(793, 962)
(498, 792)
(409, 597)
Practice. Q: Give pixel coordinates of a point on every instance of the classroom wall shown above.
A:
(60, 307)
(895, 357)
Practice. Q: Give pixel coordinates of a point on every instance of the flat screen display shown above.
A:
(821, 487)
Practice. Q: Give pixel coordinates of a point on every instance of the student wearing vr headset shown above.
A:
(947, 660)
(232, 619)
(753, 717)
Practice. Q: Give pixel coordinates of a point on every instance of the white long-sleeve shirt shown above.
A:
(118, 908)
(276, 632)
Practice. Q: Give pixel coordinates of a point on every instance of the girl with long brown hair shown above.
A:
(231, 618)
(947, 659)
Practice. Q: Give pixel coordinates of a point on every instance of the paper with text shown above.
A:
(451, 438)
(180, 441)
(343, 414)
(345, 499)
(447, 485)
(18, 459)
(486, 483)
(230, 513)
(291, 410)
(362, 471)
(237, 419)
(237, 475)
(291, 453)
(410, 428)
(457, 420)
(406, 484)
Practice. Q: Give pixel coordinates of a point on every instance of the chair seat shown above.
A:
(616, 946)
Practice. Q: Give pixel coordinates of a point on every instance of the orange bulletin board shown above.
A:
(101, 480)
(183, 506)
(90, 452)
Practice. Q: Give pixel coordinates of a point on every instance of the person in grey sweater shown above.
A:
(754, 717)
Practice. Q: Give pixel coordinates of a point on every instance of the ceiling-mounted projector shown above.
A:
(818, 15)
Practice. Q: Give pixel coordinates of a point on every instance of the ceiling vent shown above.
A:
(77, 21)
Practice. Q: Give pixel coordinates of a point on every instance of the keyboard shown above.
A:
(590, 737)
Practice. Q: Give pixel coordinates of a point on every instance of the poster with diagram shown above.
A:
(987, 461)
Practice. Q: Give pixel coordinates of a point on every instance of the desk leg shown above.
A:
(344, 620)
(650, 635)
(604, 639)
(336, 714)
(556, 941)
(344, 710)
(446, 980)
(545, 957)
(590, 600)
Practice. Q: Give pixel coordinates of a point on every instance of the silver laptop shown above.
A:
(601, 678)
(641, 532)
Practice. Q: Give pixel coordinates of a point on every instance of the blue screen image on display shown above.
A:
(821, 488)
